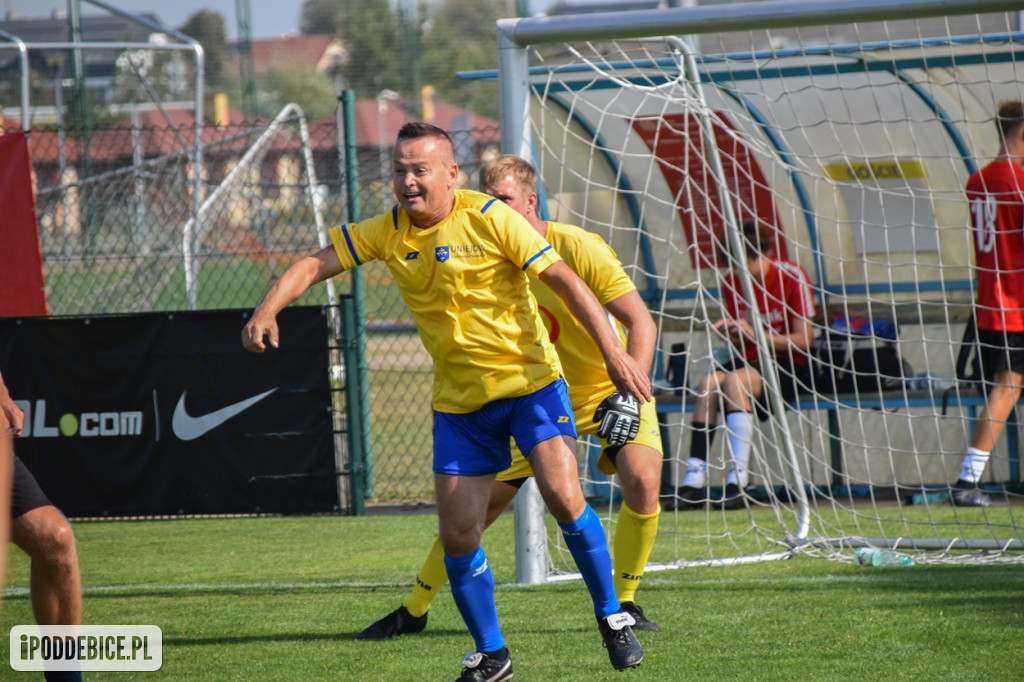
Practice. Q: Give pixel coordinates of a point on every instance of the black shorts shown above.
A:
(793, 381)
(998, 351)
(26, 494)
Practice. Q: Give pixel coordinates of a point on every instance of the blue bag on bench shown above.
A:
(859, 355)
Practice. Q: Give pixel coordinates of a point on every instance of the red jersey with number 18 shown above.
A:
(995, 195)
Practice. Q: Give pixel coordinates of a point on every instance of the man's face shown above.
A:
(520, 198)
(423, 177)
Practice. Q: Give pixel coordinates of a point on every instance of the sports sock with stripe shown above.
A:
(589, 548)
(634, 537)
(473, 589)
(429, 580)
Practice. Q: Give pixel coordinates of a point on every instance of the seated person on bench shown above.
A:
(786, 305)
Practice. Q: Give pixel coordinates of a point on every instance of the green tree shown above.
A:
(319, 17)
(208, 27)
(313, 92)
(463, 36)
(369, 32)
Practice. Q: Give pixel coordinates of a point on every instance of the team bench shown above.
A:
(671, 402)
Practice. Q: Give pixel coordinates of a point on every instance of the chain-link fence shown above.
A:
(118, 235)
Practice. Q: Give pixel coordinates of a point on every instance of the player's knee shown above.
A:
(648, 479)
(458, 541)
(710, 382)
(64, 540)
(54, 542)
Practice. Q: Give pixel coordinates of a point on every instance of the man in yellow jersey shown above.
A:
(638, 462)
(461, 261)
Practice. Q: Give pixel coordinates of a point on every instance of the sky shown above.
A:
(269, 18)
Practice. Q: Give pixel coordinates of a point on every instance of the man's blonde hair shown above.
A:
(508, 164)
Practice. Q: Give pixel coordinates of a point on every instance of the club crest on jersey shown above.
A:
(441, 254)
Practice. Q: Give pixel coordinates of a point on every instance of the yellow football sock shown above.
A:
(634, 537)
(429, 581)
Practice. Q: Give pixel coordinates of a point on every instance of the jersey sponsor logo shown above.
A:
(412, 255)
(442, 254)
(187, 427)
(467, 250)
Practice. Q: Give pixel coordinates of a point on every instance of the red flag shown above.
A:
(21, 258)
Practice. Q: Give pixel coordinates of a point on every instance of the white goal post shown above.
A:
(849, 128)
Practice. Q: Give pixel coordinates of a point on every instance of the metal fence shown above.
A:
(113, 210)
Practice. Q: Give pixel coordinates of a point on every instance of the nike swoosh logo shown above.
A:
(187, 427)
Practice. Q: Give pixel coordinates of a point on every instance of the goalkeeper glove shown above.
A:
(619, 417)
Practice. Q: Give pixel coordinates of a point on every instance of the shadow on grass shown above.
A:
(436, 633)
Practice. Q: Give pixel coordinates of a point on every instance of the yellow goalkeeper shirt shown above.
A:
(597, 265)
(465, 282)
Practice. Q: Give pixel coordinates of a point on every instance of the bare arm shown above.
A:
(629, 309)
(292, 284)
(799, 338)
(625, 372)
(12, 419)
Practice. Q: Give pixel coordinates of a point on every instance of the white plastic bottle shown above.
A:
(877, 556)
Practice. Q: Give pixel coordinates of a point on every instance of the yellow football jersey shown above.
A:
(597, 265)
(465, 282)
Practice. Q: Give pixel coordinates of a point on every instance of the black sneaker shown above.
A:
(732, 497)
(493, 667)
(642, 622)
(685, 497)
(623, 649)
(398, 622)
(693, 498)
(967, 494)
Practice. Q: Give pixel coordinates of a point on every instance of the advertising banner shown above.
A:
(166, 413)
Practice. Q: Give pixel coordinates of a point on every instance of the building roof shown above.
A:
(370, 126)
(159, 138)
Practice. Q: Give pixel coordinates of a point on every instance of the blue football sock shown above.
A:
(589, 548)
(472, 586)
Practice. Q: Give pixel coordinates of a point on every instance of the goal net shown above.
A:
(851, 144)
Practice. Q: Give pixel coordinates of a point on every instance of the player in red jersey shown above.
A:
(786, 305)
(995, 195)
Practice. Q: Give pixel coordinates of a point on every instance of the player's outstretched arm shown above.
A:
(292, 284)
(625, 372)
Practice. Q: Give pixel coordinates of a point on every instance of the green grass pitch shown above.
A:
(283, 598)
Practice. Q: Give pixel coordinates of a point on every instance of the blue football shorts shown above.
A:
(477, 443)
